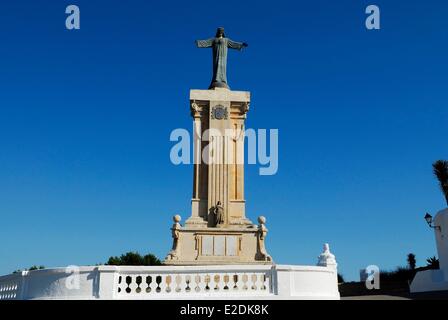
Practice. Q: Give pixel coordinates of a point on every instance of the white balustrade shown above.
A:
(188, 282)
(174, 282)
(10, 286)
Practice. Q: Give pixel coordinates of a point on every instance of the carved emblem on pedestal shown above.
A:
(219, 112)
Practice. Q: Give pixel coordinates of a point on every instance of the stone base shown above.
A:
(196, 222)
(201, 245)
(218, 85)
(199, 222)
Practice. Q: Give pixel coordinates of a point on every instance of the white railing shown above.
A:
(11, 286)
(173, 282)
(202, 281)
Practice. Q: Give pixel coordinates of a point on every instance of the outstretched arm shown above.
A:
(236, 45)
(204, 43)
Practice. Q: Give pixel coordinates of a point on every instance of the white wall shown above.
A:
(441, 219)
(435, 280)
(174, 282)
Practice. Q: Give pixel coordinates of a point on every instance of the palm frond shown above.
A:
(441, 172)
(433, 262)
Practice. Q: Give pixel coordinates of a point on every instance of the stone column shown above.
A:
(197, 217)
(221, 113)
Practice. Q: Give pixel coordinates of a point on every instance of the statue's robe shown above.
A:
(219, 215)
(220, 46)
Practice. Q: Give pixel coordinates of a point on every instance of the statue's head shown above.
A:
(220, 32)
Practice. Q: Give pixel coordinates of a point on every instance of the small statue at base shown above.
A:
(173, 254)
(262, 231)
(218, 213)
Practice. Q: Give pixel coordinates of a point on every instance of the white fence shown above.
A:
(166, 282)
(11, 287)
(173, 282)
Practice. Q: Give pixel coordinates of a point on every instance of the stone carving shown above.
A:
(219, 112)
(173, 254)
(262, 231)
(194, 106)
(238, 133)
(195, 109)
(218, 212)
(245, 107)
(326, 258)
(220, 44)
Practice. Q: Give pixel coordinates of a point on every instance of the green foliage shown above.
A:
(441, 172)
(32, 268)
(433, 263)
(400, 274)
(134, 259)
(340, 278)
(151, 260)
(411, 261)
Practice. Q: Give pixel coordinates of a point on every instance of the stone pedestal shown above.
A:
(218, 129)
(225, 245)
(218, 230)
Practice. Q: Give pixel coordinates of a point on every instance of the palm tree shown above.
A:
(411, 261)
(441, 172)
(433, 262)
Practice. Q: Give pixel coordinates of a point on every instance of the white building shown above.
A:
(435, 280)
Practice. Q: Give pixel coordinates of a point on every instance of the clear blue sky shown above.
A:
(85, 119)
